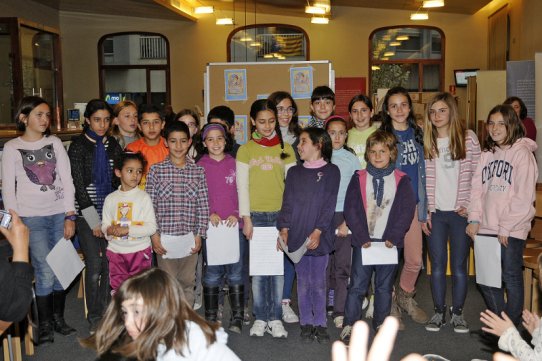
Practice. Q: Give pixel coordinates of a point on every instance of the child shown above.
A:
(452, 153)
(348, 164)
(378, 207)
(37, 184)
(502, 196)
(150, 319)
(125, 123)
(152, 145)
(191, 119)
(225, 116)
(322, 105)
(178, 191)
(262, 164)
(521, 110)
(361, 113)
(398, 118)
(224, 207)
(128, 222)
(92, 156)
(307, 212)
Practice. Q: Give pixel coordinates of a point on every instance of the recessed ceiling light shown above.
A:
(375, 67)
(256, 44)
(204, 10)
(317, 20)
(395, 43)
(389, 53)
(224, 21)
(419, 16)
(245, 39)
(268, 56)
(402, 38)
(315, 10)
(433, 3)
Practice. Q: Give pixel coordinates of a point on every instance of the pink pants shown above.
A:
(413, 255)
(124, 265)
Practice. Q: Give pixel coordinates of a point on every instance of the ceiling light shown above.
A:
(433, 3)
(383, 58)
(402, 38)
(224, 21)
(315, 10)
(315, 20)
(246, 39)
(204, 10)
(268, 56)
(419, 16)
(255, 44)
(389, 53)
(375, 67)
(395, 43)
(324, 5)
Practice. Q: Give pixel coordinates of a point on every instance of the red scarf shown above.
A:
(266, 142)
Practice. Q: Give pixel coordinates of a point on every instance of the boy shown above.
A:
(152, 145)
(322, 105)
(225, 116)
(178, 191)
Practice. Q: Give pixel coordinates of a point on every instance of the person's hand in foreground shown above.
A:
(18, 236)
(495, 324)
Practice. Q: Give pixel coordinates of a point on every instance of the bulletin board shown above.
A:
(238, 85)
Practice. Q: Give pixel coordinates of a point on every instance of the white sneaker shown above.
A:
(288, 315)
(258, 328)
(276, 329)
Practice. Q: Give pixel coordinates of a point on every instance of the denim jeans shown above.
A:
(311, 290)
(289, 276)
(45, 232)
(267, 290)
(512, 276)
(233, 273)
(448, 224)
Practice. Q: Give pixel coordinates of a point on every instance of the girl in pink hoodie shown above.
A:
(502, 196)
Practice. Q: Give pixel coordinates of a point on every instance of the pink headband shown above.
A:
(332, 118)
(212, 126)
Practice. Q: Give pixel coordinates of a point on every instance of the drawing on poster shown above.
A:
(301, 82)
(241, 129)
(235, 84)
(303, 121)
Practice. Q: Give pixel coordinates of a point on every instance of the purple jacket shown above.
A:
(401, 213)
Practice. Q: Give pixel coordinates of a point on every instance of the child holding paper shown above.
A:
(219, 168)
(308, 207)
(502, 196)
(178, 191)
(378, 208)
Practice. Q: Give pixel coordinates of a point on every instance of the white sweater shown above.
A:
(511, 341)
(134, 209)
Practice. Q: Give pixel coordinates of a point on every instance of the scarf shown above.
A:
(378, 175)
(266, 142)
(101, 172)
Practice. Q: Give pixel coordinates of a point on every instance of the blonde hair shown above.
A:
(115, 130)
(385, 138)
(457, 130)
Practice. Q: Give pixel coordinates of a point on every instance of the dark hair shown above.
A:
(338, 119)
(120, 162)
(261, 105)
(190, 112)
(320, 136)
(222, 112)
(522, 106)
(92, 107)
(148, 108)
(26, 106)
(387, 124)
(360, 98)
(199, 142)
(380, 136)
(322, 92)
(279, 96)
(176, 127)
(514, 127)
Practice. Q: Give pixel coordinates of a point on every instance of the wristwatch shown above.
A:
(73, 217)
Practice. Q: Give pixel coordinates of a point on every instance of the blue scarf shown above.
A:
(378, 175)
(101, 170)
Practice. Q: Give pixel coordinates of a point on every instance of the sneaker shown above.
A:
(338, 321)
(220, 312)
(258, 328)
(307, 333)
(459, 324)
(246, 318)
(197, 306)
(288, 315)
(276, 329)
(346, 333)
(436, 322)
(321, 335)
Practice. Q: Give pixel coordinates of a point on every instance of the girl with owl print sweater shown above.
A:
(37, 184)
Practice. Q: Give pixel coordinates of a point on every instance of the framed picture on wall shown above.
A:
(301, 82)
(241, 129)
(235, 84)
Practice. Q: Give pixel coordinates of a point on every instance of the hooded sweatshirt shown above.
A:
(503, 190)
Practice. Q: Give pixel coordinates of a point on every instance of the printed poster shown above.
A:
(235, 81)
(301, 82)
(303, 121)
(241, 129)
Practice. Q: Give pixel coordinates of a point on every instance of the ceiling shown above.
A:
(149, 8)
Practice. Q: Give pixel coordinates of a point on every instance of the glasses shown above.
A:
(289, 110)
(433, 112)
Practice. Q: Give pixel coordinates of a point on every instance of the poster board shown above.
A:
(238, 85)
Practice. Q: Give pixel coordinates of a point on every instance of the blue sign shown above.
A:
(114, 98)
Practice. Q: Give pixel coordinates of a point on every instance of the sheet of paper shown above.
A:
(65, 262)
(378, 254)
(298, 253)
(222, 244)
(265, 260)
(487, 255)
(177, 246)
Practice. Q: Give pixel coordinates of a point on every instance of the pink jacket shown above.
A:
(504, 189)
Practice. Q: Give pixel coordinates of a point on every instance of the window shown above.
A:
(268, 42)
(412, 57)
(135, 66)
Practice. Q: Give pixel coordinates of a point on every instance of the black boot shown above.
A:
(45, 318)
(210, 298)
(237, 300)
(59, 324)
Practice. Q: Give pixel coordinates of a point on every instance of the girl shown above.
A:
(379, 207)
(92, 155)
(125, 129)
(224, 207)
(191, 119)
(128, 222)
(262, 164)
(502, 196)
(398, 118)
(289, 128)
(521, 110)
(304, 215)
(452, 153)
(37, 184)
(361, 113)
(344, 158)
(149, 319)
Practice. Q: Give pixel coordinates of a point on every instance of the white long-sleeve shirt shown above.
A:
(511, 341)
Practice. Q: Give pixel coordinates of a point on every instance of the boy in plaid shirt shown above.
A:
(178, 191)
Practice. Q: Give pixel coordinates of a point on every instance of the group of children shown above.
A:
(334, 191)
